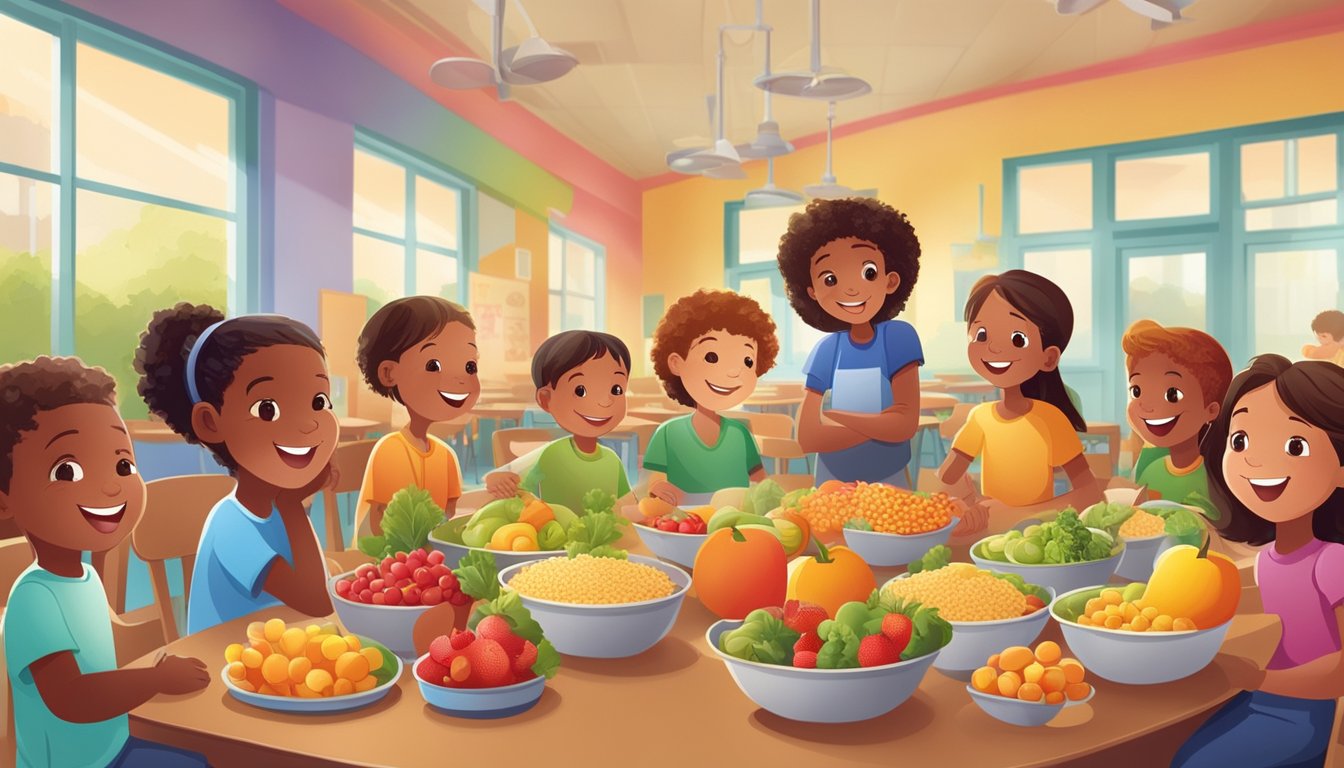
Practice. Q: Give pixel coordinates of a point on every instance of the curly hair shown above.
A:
(400, 325)
(703, 311)
(1197, 351)
(44, 384)
(825, 221)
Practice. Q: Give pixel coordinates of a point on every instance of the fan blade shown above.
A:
(1153, 9)
(1075, 7)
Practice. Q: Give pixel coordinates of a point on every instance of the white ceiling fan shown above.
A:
(828, 189)
(767, 144)
(1161, 13)
(531, 62)
(821, 83)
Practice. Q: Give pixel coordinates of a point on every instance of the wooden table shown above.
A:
(972, 391)
(623, 703)
(353, 428)
(933, 401)
(656, 413)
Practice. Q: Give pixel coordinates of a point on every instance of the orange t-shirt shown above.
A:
(395, 464)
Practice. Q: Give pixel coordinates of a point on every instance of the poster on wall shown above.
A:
(499, 306)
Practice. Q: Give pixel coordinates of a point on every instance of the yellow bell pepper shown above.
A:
(506, 537)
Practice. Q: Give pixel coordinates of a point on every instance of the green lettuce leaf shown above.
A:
(761, 638)
(840, 648)
(548, 660)
(594, 533)
(509, 605)
(858, 524)
(478, 575)
(762, 497)
(598, 501)
(1182, 524)
(407, 522)
(937, 557)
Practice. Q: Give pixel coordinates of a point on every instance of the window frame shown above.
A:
(734, 272)
(599, 296)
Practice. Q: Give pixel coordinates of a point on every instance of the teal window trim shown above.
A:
(735, 273)
(72, 27)
(418, 166)
(599, 296)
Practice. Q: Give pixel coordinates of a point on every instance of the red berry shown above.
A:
(462, 638)
(423, 577)
(432, 671)
(399, 571)
(366, 595)
(378, 598)
(805, 659)
(403, 583)
(431, 596)
(459, 598)
(489, 663)
(876, 650)
(343, 587)
(366, 572)
(386, 564)
(401, 557)
(447, 584)
(497, 628)
(898, 628)
(392, 596)
(808, 642)
(412, 594)
(803, 617)
(527, 656)
(414, 561)
(685, 527)
(360, 585)
(377, 585)
(438, 571)
(441, 649)
(434, 558)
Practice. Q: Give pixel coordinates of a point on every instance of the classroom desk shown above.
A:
(682, 675)
(972, 391)
(934, 401)
(656, 413)
(353, 428)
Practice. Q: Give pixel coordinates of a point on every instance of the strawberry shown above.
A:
(775, 611)
(876, 650)
(489, 664)
(461, 639)
(803, 617)
(808, 642)
(441, 650)
(897, 628)
(805, 659)
(432, 671)
(522, 664)
(497, 628)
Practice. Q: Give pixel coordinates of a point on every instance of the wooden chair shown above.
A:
(503, 442)
(349, 462)
(175, 513)
(15, 556)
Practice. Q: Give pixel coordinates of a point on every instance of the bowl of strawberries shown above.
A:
(486, 673)
(384, 600)
(674, 537)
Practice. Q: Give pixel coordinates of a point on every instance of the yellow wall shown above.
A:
(531, 233)
(929, 166)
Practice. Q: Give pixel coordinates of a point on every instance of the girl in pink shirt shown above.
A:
(1274, 458)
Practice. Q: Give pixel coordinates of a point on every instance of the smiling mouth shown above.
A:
(853, 307)
(455, 399)
(103, 519)
(1268, 488)
(296, 457)
(1161, 427)
(597, 422)
(721, 390)
(998, 367)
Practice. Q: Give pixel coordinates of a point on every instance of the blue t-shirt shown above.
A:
(235, 555)
(858, 377)
(48, 614)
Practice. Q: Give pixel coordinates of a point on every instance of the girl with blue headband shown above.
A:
(254, 390)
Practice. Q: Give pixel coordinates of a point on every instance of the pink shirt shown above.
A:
(1303, 588)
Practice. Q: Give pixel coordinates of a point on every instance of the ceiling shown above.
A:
(646, 66)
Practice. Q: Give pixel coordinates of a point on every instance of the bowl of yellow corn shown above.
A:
(600, 607)
(1145, 535)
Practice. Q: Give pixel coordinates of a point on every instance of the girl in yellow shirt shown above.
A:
(1019, 325)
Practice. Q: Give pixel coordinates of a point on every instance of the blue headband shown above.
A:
(195, 353)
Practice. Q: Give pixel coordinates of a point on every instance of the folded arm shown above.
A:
(892, 425)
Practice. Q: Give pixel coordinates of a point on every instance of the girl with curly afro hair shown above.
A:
(709, 350)
(849, 267)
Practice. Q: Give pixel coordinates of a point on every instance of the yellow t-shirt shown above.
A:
(395, 464)
(1018, 456)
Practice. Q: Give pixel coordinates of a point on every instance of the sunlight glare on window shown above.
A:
(1054, 198)
(1071, 270)
(1162, 187)
(380, 195)
(28, 94)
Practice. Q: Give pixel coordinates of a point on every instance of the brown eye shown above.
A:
(1239, 441)
(433, 366)
(321, 402)
(471, 367)
(581, 390)
(1297, 446)
(711, 357)
(125, 468)
(747, 361)
(1134, 391)
(829, 280)
(981, 335)
(68, 471)
(1174, 395)
(1019, 340)
(617, 390)
(266, 410)
(869, 271)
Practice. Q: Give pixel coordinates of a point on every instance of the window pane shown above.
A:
(1265, 168)
(436, 208)
(579, 314)
(555, 261)
(380, 271)
(130, 260)
(1291, 288)
(1316, 166)
(1071, 270)
(805, 338)
(758, 232)
(1169, 289)
(759, 288)
(436, 275)
(141, 129)
(1162, 187)
(1320, 213)
(27, 230)
(555, 324)
(580, 269)
(1262, 171)
(380, 195)
(27, 95)
(1054, 198)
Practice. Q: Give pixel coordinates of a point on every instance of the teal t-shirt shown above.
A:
(694, 467)
(234, 558)
(563, 474)
(48, 614)
(1189, 486)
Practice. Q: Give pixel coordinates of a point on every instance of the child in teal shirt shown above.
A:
(68, 479)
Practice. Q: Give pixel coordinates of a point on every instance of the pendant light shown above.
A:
(723, 155)
(768, 144)
(534, 60)
(821, 83)
(531, 62)
(771, 196)
(828, 189)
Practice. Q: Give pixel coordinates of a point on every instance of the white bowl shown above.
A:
(327, 704)
(1028, 714)
(607, 631)
(822, 695)
(480, 703)
(1139, 658)
(677, 548)
(453, 553)
(1136, 563)
(391, 625)
(893, 548)
(1064, 577)
(973, 642)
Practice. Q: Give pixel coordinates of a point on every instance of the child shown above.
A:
(849, 266)
(580, 378)
(708, 350)
(421, 352)
(1177, 379)
(1329, 329)
(1275, 457)
(1020, 323)
(254, 390)
(68, 480)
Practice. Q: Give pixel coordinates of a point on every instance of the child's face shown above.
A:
(588, 401)
(1275, 463)
(436, 379)
(75, 484)
(850, 280)
(276, 418)
(719, 370)
(1166, 404)
(1005, 347)
(1326, 339)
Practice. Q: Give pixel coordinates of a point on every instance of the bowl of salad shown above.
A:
(1062, 554)
(675, 536)
(514, 530)
(887, 549)
(868, 660)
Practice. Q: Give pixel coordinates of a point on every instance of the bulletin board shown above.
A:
(499, 306)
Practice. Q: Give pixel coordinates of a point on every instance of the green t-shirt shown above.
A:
(1188, 486)
(48, 614)
(676, 450)
(563, 474)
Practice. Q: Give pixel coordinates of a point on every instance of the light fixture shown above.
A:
(828, 189)
(771, 196)
(534, 60)
(531, 62)
(821, 83)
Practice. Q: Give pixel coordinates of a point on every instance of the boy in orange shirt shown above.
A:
(421, 352)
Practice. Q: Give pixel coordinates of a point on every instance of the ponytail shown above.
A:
(1048, 386)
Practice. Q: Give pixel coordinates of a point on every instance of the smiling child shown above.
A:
(849, 266)
(709, 350)
(68, 479)
(421, 352)
(1329, 329)
(254, 390)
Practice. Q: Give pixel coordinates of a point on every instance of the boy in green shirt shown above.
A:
(1177, 380)
(68, 479)
(580, 378)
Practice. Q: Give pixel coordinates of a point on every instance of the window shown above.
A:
(1054, 198)
(407, 227)
(1162, 187)
(123, 190)
(1290, 287)
(1168, 288)
(1071, 270)
(1290, 183)
(575, 268)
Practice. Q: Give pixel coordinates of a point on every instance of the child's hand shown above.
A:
(502, 485)
(327, 478)
(180, 674)
(667, 492)
(974, 514)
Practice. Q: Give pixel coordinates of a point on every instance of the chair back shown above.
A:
(503, 442)
(953, 424)
(175, 513)
(15, 556)
(348, 462)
